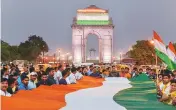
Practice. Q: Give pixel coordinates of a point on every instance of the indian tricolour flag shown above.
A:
(172, 56)
(162, 52)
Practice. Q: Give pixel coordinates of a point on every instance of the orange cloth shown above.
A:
(46, 97)
(126, 75)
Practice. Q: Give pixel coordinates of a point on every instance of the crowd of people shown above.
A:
(12, 80)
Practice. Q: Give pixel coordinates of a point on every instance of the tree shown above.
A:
(33, 47)
(143, 52)
(5, 53)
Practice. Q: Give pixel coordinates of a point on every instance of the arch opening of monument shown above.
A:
(95, 21)
(92, 48)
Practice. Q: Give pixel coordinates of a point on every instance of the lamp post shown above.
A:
(59, 51)
(67, 56)
(120, 57)
(156, 58)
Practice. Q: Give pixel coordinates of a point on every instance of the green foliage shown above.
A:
(28, 50)
(143, 52)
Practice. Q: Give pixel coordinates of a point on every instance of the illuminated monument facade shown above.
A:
(92, 20)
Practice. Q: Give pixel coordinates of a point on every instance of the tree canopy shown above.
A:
(28, 50)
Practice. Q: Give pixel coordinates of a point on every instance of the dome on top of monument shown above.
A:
(92, 8)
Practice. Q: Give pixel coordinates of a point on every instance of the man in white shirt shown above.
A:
(32, 84)
(78, 74)
(4, 86)
(72, 77)
(58, 74)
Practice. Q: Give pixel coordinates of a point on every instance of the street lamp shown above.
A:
(67, 56)
(120, 57)
(156, 58)
(59, 51)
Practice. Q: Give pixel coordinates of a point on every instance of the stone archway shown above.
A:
(101, 28)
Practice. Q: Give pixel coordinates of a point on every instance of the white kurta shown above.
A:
(72, 78)
(78, 76)
(57, 76)
(5, 94)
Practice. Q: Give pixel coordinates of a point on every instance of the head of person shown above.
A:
(56, 69)
(4, 84)
(173, 85)
(135, 70)
(5, 71)
(11, 82)
(25, 80)
(91, 67)
(140, 70)
(94, 70)
(74, 70)
(51, 71)
(174, 72)
(105, 72)
(25, 69)
(122, 70)
(44, 77)
(160, 77)
(166, 78)
(79, 69)
(84, 70)
(113, 68)
(61, 68)
(33, 76)
(66, 73)
(41, 69)
(127, 70)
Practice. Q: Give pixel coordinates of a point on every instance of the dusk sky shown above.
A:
(51, 19)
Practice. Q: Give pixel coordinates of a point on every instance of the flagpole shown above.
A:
(156, 63)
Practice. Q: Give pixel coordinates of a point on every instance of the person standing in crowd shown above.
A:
(39, 74)
(105, 73)
(84, 72)
(95, 74)
(25, 73)
(72, 76)
(127, 74)
(44, 80)
(11, 86)
(4, 86)
(164, 88)
(114, 72)
(5, 73)
(134, 72)
(78, 74)
(90, 71)
(58, 74)
(51, 79)
(32, 84)
(65, 80)
(24, 84)
(174, 72)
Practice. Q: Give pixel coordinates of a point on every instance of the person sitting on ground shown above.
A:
(4, 86)
(58, 74)
(24, 84)
(78, 74)
(84, 72)
(72, 76)
(11, 86)
(51, 79)
(44, 80)
(95, 74)
(114, 72)
(65, 80)
(32, 84)
(164, 88)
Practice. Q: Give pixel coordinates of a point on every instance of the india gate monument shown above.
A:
(96, 21)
